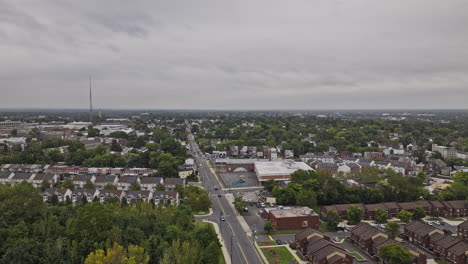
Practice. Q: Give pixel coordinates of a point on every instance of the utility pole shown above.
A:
(90, 102)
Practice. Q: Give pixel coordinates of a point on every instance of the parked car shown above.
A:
(219, 195)
(381, 225)
(259, 205)
(263, 205)
(251, 203)
(215, 188)
(222, 218)
(278, 242)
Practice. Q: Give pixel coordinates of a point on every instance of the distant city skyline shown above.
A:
(234, 55)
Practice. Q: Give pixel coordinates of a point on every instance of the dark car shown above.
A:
(278, 242)
(258, 205)
(215, 188)
(251, 203)
(219, 195)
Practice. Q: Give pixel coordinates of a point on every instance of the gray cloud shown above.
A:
(215, 54)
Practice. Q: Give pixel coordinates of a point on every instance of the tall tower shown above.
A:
(90, 102)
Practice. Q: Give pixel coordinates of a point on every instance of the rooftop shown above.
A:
(281, 167)
(292, 212)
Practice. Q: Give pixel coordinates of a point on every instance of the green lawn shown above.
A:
(455, 219)
(277, 255)
(357, 256)
(202, 212)
(266, 243)
(439, 261)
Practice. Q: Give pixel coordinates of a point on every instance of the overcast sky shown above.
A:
(169, 54)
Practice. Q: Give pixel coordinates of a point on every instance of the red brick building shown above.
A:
(462, 230)
(294, 218)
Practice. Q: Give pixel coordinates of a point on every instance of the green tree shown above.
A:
(67, 184)
(395, 254)
(182, 252)
(381, 216)
(306, 197)
(89, 185)
(268, 227)
(418, 213)
(115, 146)
(354, 215)
(239, 204)
(332, 219)
(110, 186)
(160, 187)
(45, 184)
(135, 186)
(405, 216)
(392, 229)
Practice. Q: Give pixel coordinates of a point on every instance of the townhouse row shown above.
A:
(146, 183)
(370, 239)
(317, 248)
(457, 208)
(105, 196)
(445, 246)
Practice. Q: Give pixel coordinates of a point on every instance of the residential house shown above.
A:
(150, 183)
(133, 197)
(5, 177)
(372, 208)
(166, 198)
(101, 181)
(62, 194)
(106, 195)
(80, 180)
(458, 254)
(20, 177)
(419, 233)
(52, 178)
(442, 246)
(462, 230)
(125, 182)
(78, 194)
(170, 183)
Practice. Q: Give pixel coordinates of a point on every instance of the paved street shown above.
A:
(236, 240)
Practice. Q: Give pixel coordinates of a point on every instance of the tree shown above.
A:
(110, 186)
(180, 252)
(239, 204)
(404, 216)
(381, 216)
(268, 227)
(89, 185)
(392, 229)
(68, 184)
(115, 146)
(395, 254)
(135, 186)
(118, 255)
(332, 220)
(45, 184)
(160, 187)
(354, 215)
(418, 213)
(306, 197)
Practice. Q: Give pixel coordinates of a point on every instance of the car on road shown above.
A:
(259, 205)
(223, 218)
(215, 188)
(246, 209)
(251, 203)
(278, 242)
(219, 195)
(263, 205)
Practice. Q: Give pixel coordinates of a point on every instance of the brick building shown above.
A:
(293, 218)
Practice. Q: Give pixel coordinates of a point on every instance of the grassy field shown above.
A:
(266, 243)
(455, 219)
(282, 232)
(277, 255)
(356, 256)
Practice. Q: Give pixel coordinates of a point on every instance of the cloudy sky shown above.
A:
(252, 54)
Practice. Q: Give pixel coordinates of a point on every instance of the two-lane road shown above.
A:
(238, 244)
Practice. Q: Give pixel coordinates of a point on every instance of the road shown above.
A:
(238, 243)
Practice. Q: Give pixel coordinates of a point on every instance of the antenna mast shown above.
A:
(90, 102)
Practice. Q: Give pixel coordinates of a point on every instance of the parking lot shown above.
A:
(238, 179)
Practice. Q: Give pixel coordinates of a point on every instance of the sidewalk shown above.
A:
(293, 252)
(242, 222)
(227, 257)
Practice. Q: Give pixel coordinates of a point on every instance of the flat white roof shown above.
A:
(280, 167)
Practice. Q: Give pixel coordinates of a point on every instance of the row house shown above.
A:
(418, 233)
(150, 183)
(41, 177)
(89, 194)
(124, 182)
(133, 197)
(101, 181)
(462, 230)
(80, 180)
(106, 195)
(171, 183)
(370, 239)
(19, 177)
(62, 194)
(457, 208)
(316, 248)
(166, 198)
(444, 246)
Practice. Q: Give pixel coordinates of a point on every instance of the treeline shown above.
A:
(33, 232)
(310, 188)
(345, 135)
(164, 154)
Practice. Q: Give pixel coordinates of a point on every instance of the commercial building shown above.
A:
(9, 124)
(293, 218)
(279, 170)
